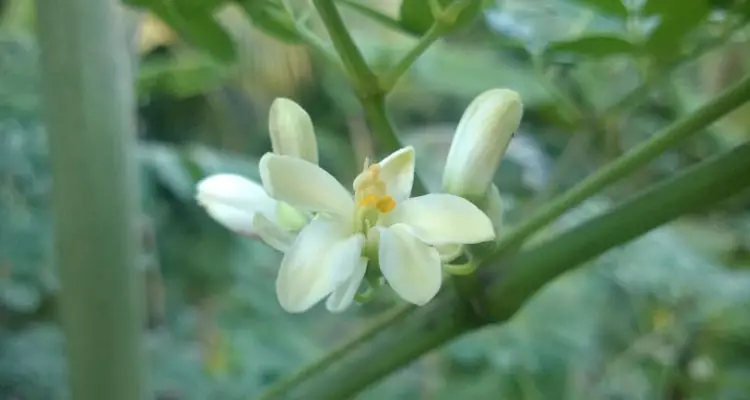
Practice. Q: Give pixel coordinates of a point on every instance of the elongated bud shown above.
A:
(482, 136)
(291, 129)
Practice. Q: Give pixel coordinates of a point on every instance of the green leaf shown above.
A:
(272, 18)
(198, 28)
(416, 17)
(677, 19)
(613, 8)
(596, 46)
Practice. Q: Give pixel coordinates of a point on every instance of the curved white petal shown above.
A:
(411, 267)
(324, 254)
(304, 185)
(272, 234)
(233, 200)
(440, 219)
(343, 296)
(397, 171)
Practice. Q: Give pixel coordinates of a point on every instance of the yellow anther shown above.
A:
(369, 200)
(385, 204)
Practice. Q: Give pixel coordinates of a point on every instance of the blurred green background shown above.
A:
(665, 317)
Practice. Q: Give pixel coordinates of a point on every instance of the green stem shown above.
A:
(628, 163)
(362, 78)
(89, 115)
(390, 79)
(508, 284)
(706, 183)
(383, 19)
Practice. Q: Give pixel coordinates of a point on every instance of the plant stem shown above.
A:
(365, 82)
(706, 183)
(390, 79)
(90, 116)
(636, 158)
(510, 283)
(361, 76)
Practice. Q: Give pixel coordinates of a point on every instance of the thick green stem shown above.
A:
(511, 282)
(89, 114)
(706, 183)
(636, 158)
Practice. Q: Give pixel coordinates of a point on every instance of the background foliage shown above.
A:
(663, 317)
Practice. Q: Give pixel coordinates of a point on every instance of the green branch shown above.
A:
(634, 159)
(89, 115)
(390, 79)
(511, 282)
(361, 76)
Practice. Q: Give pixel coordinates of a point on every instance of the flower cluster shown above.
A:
(334, 239)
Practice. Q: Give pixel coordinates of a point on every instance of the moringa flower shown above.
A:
(242, 205)
(379, 222)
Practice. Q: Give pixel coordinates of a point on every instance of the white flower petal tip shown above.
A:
(411, 267)
(233, 201)
(481, 138)
(291, 130)
(343, 296)
(323, 256)
(397, 171)
(443, 219)
(304, 185)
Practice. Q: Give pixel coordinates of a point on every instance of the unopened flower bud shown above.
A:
(481, 138)
(291, 130)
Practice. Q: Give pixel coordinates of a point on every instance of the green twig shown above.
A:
(361, 76)
(89, 113)
(511, 282)
(636, 158)
(390, 78)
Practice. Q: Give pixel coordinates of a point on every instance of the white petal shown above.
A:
(272, 234)
(343, 296)
(439, 219)
(323, 256)
(291, 130)
(397, 171)
(304, 185)
(411, 267)
(233, 200)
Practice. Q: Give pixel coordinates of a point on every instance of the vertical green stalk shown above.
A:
(89, 114)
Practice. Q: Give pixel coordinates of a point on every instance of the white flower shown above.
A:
(329, 257)
(482, 136)
(242, 205)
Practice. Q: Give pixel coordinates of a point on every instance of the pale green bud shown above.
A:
(291, 130)
(482, 136)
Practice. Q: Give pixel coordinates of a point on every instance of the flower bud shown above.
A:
(481, 138)
(292, 131)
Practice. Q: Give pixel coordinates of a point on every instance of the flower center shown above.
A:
(371, 196)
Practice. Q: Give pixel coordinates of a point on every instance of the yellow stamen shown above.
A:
(385, 204)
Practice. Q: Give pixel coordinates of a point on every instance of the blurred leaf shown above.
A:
(272, 18)
(613, 8)
(599, 46)
(676, 21)
(416, 16)
(197, 25)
